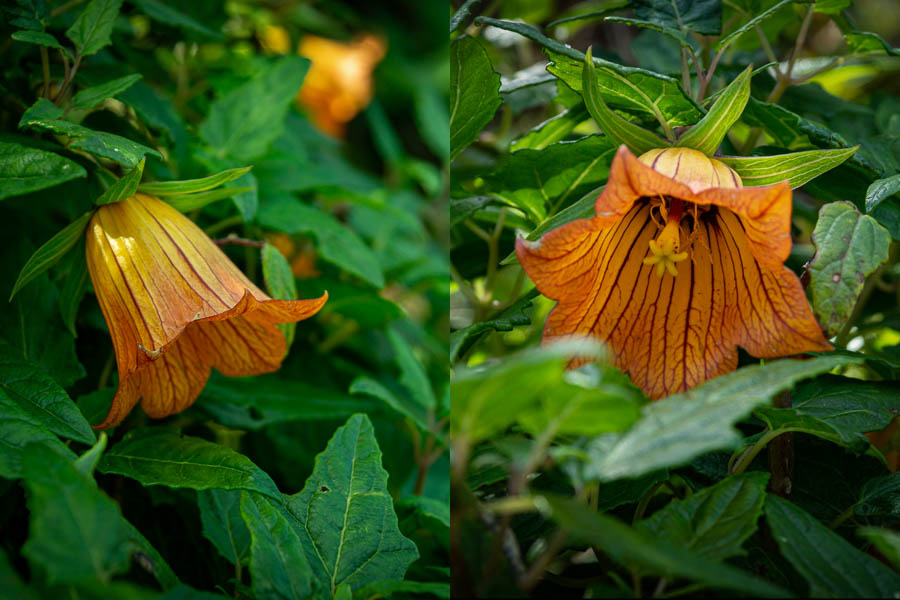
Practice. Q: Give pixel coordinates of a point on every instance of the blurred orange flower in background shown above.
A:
(339, 83)
(176, 306)
(679, 265)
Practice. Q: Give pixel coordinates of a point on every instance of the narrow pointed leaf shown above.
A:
(796, 168)
(280, 283)
(220, 513)
(47, 255)
(726, 40)
(849, 246)
(345, 515)
(124, 187)
(887, 542)
(91, 30)
(41, 38)
(831, 565)
(635, 548)
(93, 96)
(638, 139)
(859, 42)
(164, 189)
(552, 130)
(24, 169)
(162, 456)
(709, 132)
(190, 202)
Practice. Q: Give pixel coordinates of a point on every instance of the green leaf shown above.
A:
(223, 525)
(849, 246)
(714, 522)
(701, 16)
(514, 316)
(52, 250)
(166, 189)
(278, 564)
(18, 428)
(675, 34)
(859, 42)
(540, 182)
(881, 189)
(154, 562)
(385, 589)
(639, 549)
(368, 386)
(41, 397)
(709, 132)
(474, 92)
(838, 409)
(796, 168)
(124, 188)
(246, 198)
(337, 244)
(726, 40)
(87, 462)
(887, 542)
(165, 14)
(42, 38)
(638, 139)
(280, 283)
(645, 93)
(345, 516)
(191, 202)
(73, 271)
(831, 7)
(93, 96)
(162, 456)
(573, 410)
(243, 123)
(256, 402)
(412, 375)
(460, 16)
(105, 145)
(552, 130)
(432, 120)
(789, 129)
(24, 170)
(42, 109)
(880, 496)
(831, 565)
(676, 429)
(91, 30)
(520, 379)
(76, 533)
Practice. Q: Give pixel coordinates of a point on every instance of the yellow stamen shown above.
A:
(664, 249)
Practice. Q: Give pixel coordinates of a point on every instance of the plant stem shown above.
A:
(781, 455)
(61, 9)
(747, 457)
(45, 66)
(68, 80)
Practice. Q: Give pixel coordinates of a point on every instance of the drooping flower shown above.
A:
(339, 83)
(679, 265)
(176, 306)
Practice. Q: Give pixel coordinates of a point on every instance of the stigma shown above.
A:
(664, 249)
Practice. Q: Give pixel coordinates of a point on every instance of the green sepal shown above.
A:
(191, 186)
(124, 188)
(189, 202)
(709, 132)
(638, 139)
(47, 255)
(796, 168)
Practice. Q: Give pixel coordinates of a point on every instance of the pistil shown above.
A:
(664, 249)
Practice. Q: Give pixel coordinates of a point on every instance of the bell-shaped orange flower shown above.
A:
(679, 265)
(339, 82)
(176, 306)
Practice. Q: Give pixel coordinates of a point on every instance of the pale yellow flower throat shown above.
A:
(664, 249)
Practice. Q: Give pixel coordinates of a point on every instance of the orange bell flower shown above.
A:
(176, 306)
(679, 265)
(339, 82)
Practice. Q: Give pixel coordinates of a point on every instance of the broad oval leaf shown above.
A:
(91, 30)
(474, 92)
(638, 139)
(90, 97)
(52, 250)
(277, 561)
(831, 565)
(41, 397)
(709, 132)
(24, 170)
(18, 428)
(849, 246)
(796, 168)
(880, 190)
(162, 456)
(880, 496)
(76, 533)
(345, 515)
(223, 525)
(41, 38)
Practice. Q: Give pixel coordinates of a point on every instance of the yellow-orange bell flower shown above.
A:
(679, 266)
(339, 83)
(176, 306)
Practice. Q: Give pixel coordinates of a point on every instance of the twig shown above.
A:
(233, 239)
(45, 67)
(61, 9)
